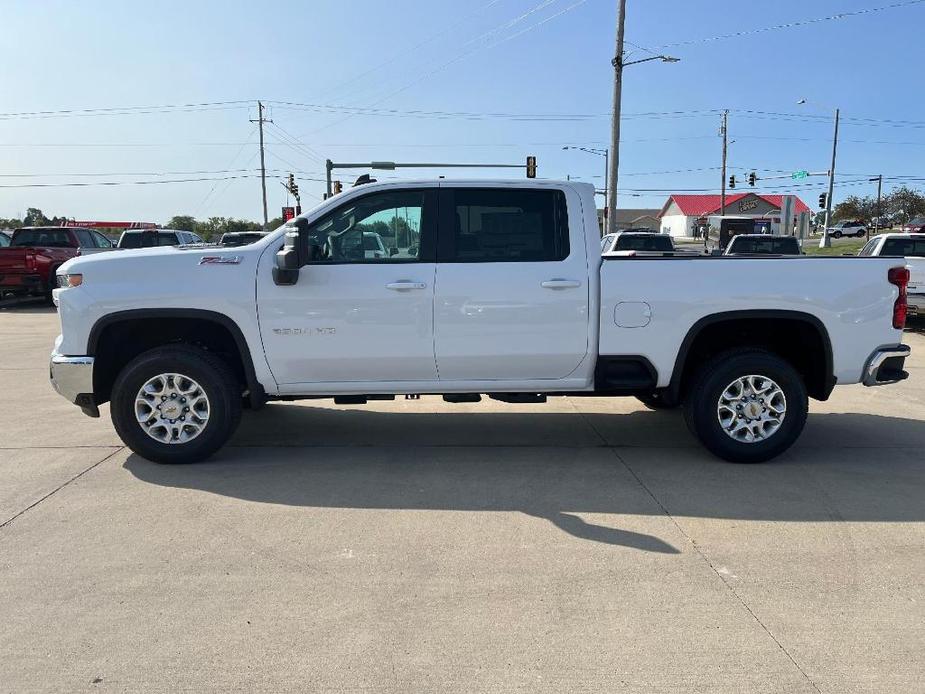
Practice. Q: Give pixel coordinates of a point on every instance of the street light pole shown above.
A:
(825, 242)
(879, 180)
(614, 163)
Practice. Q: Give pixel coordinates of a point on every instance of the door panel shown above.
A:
(505, 307)
(362, 310)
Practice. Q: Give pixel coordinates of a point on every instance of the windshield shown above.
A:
(147, 239)
(52, 238)
(643, 242)
(766, 246)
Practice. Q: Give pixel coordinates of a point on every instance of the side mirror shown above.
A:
(289, 258)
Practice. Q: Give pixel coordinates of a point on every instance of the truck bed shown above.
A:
(650, 303)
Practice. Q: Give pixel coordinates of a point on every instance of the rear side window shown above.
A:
(485, 225)
(51, 238)
(908, 247)
(869, 248)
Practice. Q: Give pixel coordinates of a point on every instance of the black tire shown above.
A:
(712, 380)
(862, 232)
(657, 401)
(836, 234)
(214, 377)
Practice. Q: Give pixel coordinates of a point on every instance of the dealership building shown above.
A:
(685, 215)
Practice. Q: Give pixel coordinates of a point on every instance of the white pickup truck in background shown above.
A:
(912, 248)
(486, 287)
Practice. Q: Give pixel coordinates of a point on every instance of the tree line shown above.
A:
(899, 205)
(209, 229)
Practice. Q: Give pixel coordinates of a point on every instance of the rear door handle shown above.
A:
(560, 284)
(405, 285)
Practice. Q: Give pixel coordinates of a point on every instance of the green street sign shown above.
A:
(797, 175)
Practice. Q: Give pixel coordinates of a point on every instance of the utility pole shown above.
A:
(879, 180)
(615, 123)
(825, 242)
(263, 167)
(722, 197)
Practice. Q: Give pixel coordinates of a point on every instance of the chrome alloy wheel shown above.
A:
(751, 409)
(172, 408)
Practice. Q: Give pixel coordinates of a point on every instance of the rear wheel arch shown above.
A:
(800, 338)
(138, 330)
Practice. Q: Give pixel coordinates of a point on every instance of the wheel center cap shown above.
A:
(171, 410)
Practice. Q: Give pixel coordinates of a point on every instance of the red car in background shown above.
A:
(915, 226)
(28, 264)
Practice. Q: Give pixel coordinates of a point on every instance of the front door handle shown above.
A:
(560, 284)
(404, 285)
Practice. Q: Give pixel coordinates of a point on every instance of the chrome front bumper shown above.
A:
(72, 377)
(885, 366)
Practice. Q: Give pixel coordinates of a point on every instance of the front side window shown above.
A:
(503, 225)
(84, 238)
(381, 227)
(100, 241)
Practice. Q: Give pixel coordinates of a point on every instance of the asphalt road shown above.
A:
(580, 545)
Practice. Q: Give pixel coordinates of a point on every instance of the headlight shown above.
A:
(74, 280)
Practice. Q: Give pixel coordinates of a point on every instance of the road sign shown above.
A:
(797, 175)
(288, 213)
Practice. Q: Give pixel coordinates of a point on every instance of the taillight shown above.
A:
(900, 277)
(30, 261)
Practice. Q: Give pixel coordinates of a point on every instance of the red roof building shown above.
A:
(682, 214)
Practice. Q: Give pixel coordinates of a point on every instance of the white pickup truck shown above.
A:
(486, 287)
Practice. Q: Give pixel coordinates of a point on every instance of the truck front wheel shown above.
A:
(746, 406)
(175, 404)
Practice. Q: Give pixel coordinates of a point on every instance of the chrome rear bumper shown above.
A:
(885, 366)
(72, 378)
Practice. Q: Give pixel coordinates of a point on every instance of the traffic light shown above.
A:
(752, 178)
(531, 167)
(337, 187)
(294, 189)
(290, 183)
(732, 181)
(823, 198)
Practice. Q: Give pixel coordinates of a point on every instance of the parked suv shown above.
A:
(147, 238)
(28, 264)
(848, 228)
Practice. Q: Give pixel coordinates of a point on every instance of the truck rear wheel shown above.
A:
(746, 406)
(176, 404)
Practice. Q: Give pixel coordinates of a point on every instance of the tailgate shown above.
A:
(916, 275)
(12, 260)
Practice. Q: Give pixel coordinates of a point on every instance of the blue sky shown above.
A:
(476, 57)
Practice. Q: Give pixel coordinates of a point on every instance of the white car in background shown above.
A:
(848, 228)
(912, 248)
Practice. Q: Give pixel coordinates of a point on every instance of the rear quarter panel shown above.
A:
(850, 296)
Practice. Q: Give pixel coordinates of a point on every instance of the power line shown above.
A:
(126, 110)
(790, 25)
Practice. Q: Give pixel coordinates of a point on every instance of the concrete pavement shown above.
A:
(581, 545)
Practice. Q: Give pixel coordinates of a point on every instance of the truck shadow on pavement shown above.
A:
(556, 465)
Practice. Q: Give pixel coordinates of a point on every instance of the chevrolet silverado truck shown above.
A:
(496, 288)
(29, 264)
